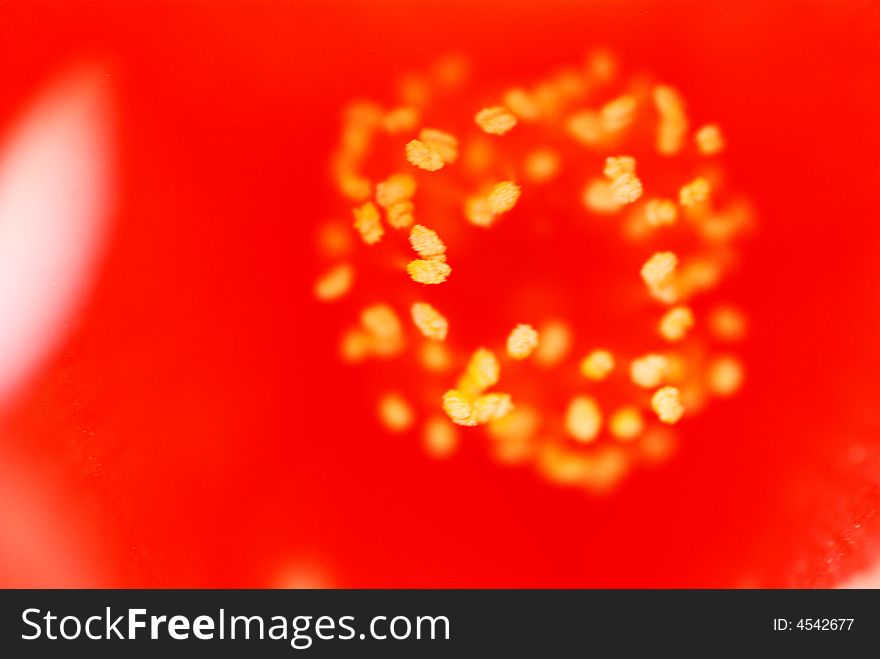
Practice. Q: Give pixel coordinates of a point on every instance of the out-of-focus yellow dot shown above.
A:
(626, 423)
(394, 189)
(597, 365)
(660, 212)
(673, 125)
(495, 120)
(431, 323)
(657, 273)
(402, 119)
(727, 323)
(648, 371)
(599, 197)
(522, 104)
(585, 127)
(694, 193)
(435, 357)
(618, 113)
(583, 419)
(709, 139)
(395, 412)
(676, 323)
(666, 402)
(483, 371)
(400, 215)
(725, 376)
(439, 437)
(335, 283)
(542, 165)
(522, 341)
(367, 223)
(555, 343)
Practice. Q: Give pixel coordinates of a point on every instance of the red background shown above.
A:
(194, 430)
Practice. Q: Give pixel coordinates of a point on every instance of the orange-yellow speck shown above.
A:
(597, 365)
(400, 215)
(660, 212)
(727, 323)
(428, 271)
(709, 140)
(435, 357)
(426, 242)
(626, 188)
(725, 376)
(626, 423)
(424, 156)
(617, 166)
(556, 337)
(401, 119)
(676, 323)
(458, 408)
(694, 193)
(335, 283)
(522, 341)
(583, 419)
(503, 197)
(439, 437)
(395, 412)
(666, 403)
(599, 198)
(483, 371)
(541, 166)
(431, 323)
(368, 224)
(648, 371)
(495, 120)
(394, 189)
(618, 114)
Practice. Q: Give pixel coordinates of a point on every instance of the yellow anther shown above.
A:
(555, 343)
(617, 166)
(599, 198)
(431, 323)
(676, 323)
(401, 120)
(542, 165)
(660, 212)
(618, 114)
(709, 140)
(503, 197)
(694, 193)
(424, 156)
(335, 283)
(395, 412)
(459, 408)
(725, 376)
(666, 402)
(439, 437)
(522, 341)
(495, 120)
(583, 419)
(426, 242)
(626, 423)
(445, 144)
(597, 365)
(492, 406)
(658, 275)
(400, 215)
(428, 271)
(394, 189)
(626, 188)
(648, 371)
(368, 224)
